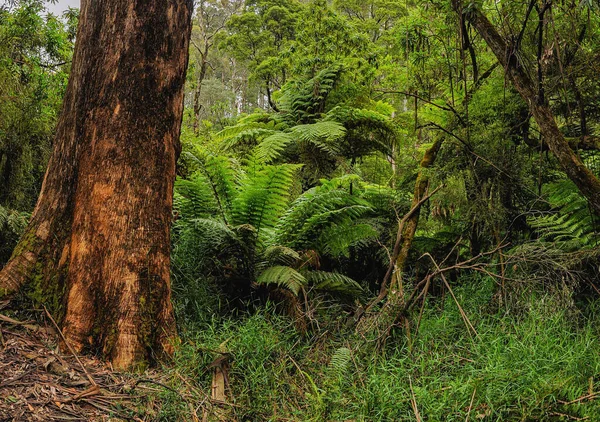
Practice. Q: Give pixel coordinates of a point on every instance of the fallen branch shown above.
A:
(89, 377)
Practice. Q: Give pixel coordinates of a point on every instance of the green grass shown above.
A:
(523, 366)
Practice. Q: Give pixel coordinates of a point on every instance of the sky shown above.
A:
(61, 5)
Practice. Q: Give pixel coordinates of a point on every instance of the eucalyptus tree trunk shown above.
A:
(96, 251)
(584, 179)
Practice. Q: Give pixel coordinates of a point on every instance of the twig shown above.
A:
(471, 405)
(460, 309)
(413, 401)
(580, 399)
(89, 377)
(15, 322)
(396, 251)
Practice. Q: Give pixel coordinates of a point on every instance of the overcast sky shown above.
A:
(61, 5)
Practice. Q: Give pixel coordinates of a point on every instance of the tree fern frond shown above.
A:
(283, 276)
(270, 148)
(333, 282)
(324, 135)
(314, 211)
(338, 238)
(222, 176)
(193, 197)
(280, 255)
(305, 101)
(570, 223)
(251, 136)
(264, 196)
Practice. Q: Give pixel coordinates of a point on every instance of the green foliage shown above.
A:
(570, 224)
(239, 226)
(530, 366)
(12, 225)
(264, 196)
(35, 50)
(325, 218)
(283, 277)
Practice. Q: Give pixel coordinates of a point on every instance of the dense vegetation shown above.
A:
(316, 134)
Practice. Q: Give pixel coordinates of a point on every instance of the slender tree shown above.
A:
(584, 179)
(96, 250)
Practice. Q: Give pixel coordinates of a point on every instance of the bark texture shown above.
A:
(392, 287)
(97, 248)
(584, 179)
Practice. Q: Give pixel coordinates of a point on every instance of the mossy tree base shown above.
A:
(97, 248)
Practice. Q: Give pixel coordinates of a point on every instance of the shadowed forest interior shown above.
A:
(344, 210)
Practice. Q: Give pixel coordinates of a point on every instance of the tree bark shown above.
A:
(198, 91)
(584, 179)
(96, 251)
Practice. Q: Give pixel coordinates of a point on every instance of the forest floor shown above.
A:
(39, 383)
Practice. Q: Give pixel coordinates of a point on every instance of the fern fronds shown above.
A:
(340, 360)
(280, 255)
(570, 224)
(193, 197)
(264, 196)
(305, 101)
(338, 238)
(323, 135)
(270, 148)
(283, 276)
(314, 211)
(333, 282)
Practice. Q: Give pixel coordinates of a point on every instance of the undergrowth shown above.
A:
(539, 363)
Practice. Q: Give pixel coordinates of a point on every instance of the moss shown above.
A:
(46, 286)
(27, 243)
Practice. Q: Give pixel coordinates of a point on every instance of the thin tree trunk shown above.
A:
(584, 179)
(199, 82)
(392, 286)
(407, 234)
(96, 250)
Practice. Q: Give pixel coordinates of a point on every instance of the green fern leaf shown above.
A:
(283, 276)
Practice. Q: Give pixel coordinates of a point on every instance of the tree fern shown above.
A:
(366, 130)
(317, 210)
(271, 147)
(338, 238)
(324, 135)
(333, 282)
(193, 197)
(304, 101)
(570, 224)
(283, 276)
(264, 196)
(222, 176)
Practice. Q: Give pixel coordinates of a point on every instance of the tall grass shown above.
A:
(535, 364)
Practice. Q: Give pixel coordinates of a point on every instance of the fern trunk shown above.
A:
(96, 250)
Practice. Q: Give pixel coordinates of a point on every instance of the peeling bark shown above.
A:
(97, 245)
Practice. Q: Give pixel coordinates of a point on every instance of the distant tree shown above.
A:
(209, 21)
(96, 250)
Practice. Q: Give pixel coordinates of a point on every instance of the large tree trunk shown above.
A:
(584, 179)
(96, 250)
